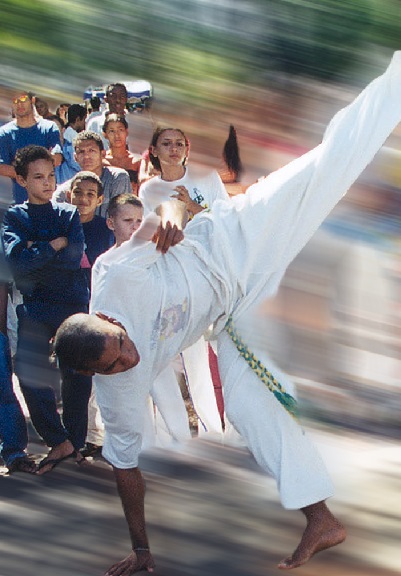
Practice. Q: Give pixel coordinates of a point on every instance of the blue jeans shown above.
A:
(40, 385)
(13, 431)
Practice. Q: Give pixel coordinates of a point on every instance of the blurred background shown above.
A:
(277, 70)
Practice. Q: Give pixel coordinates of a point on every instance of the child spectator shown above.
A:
(43, 243)
(125, 215)
(115, 130)
(198, 189)
(87, 194)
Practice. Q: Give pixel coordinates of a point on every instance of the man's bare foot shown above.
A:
(323, 531)
(56, 455)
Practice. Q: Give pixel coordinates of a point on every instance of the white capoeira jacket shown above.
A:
(232, 257)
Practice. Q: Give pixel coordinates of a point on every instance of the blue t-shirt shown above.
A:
(12, 138)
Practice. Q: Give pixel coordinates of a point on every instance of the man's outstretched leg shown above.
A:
(271, 224)
(322, 531)
(282, 448)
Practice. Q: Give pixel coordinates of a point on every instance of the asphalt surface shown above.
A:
(210, 512)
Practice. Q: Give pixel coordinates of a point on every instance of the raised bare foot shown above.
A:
(56, 455)
(323, 531)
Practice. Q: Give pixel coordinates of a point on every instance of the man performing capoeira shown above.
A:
(152, 304)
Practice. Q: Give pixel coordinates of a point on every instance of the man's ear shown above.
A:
(103, 153)
(68, 196)
(110, 223)
(21, 180)
(100, 200)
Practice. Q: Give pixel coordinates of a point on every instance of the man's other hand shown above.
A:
(135, 562)
(166, 236)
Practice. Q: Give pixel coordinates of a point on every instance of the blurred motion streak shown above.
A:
(277, 70)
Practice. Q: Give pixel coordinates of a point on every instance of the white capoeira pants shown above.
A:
(271, 224)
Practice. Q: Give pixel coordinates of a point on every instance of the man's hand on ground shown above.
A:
(135, 562)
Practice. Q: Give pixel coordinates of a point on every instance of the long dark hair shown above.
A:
(231, 154)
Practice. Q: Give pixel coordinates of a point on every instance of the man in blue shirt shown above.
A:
(27, 128)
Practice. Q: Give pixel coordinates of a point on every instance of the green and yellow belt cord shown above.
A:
(285, 399)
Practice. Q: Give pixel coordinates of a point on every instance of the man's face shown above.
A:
(41, 107)
(89, 156)
(40, 181)
(116, 133)
(117, 100)
(119, 354)
(79, 124)
(127, 219)
(22, 105)
(84, 196)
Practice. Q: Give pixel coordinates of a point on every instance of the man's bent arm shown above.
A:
(131, 489)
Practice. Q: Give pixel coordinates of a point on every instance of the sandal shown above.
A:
(91, 450)
(53, 462)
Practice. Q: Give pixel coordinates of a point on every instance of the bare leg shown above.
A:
(322, 531)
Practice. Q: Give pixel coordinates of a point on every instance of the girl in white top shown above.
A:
(198, 189)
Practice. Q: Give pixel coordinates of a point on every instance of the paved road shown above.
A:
(210, 513)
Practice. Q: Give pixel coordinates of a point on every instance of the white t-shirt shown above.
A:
(204, 187)
(95, 124)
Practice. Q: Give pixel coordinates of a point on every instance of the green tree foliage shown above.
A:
(319, 38)
(193, 46)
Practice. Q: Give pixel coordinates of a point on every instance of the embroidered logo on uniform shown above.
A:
(171, 320)
(198, 198)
